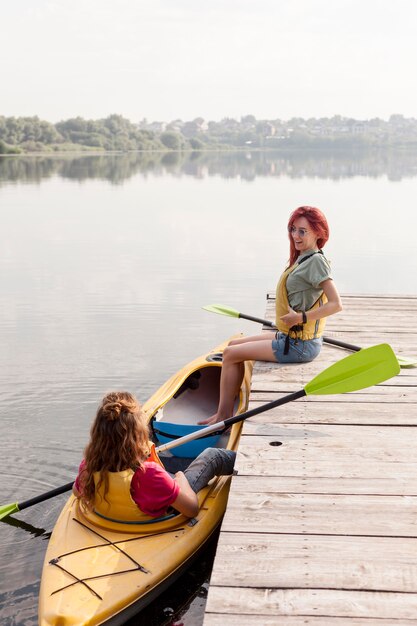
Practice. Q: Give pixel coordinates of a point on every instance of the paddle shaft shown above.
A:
(45, 496)
(257, 319)
(221, 426)
(341, 344)
(329, 340)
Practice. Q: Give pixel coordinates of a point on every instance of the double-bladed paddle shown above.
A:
(226, 310)
(365, 368)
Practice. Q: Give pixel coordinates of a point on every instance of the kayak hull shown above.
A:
(102, 572)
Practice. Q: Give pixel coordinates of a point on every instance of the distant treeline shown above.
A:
(30, 134)
(116, 133)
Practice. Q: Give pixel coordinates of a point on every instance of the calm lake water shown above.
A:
(105, 263)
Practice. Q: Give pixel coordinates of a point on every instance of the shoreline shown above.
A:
(232, 149)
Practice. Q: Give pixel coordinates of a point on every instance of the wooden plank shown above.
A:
(369, 300)
(367, 296)
(371, 485)
(334, 443)
(401, 343)
(300, 454)
(223, 619)
(390, 387)
(379, 323)
(389, 516)
(255, 560)
(301, 374)
(327, 357)
(327, 603)
(304, 372)
(316, 412)
(372, 394)
(394, 441)
(343, 435)
(322, 468)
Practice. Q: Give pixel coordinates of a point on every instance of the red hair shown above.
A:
(318, 224)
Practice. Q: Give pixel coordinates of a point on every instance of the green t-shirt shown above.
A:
(303, 284)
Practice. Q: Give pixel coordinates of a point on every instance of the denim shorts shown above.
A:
(300, 351)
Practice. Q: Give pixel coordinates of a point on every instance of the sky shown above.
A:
(182, 59)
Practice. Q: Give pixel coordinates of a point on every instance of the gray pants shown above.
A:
(211, 462)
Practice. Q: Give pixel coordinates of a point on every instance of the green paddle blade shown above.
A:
(221, 310)
(8, 509)
(365, 368)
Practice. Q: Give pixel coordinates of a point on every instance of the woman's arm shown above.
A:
(333, 305)
(186, 502)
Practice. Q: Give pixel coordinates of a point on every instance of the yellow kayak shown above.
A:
(98, 571)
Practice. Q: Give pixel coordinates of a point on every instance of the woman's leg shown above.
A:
(232, 373)
(235, 342)
(262, 337)
(211, 462)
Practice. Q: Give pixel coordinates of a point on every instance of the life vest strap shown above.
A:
(296, 329)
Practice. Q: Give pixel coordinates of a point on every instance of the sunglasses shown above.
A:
(301, 231)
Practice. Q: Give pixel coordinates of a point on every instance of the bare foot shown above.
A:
(211, 420)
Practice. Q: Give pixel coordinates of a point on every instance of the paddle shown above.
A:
(225, 310)
(8, 509)
(365, 368)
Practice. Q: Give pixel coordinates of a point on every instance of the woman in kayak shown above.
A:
(305, 296)
(121, 476)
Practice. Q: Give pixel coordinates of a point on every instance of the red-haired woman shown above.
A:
(306, 295)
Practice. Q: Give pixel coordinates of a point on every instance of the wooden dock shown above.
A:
(321, 524)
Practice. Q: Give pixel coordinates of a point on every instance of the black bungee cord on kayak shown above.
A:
(82, 581)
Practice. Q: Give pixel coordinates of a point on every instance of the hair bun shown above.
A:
(118, 403)
(112, 410)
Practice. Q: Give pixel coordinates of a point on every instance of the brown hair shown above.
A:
(119, 440)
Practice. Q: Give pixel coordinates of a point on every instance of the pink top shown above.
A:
(152, 488)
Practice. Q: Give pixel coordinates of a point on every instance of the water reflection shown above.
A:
(18, 523)
(117, 168)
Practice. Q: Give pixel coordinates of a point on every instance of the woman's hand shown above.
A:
(292, 317)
